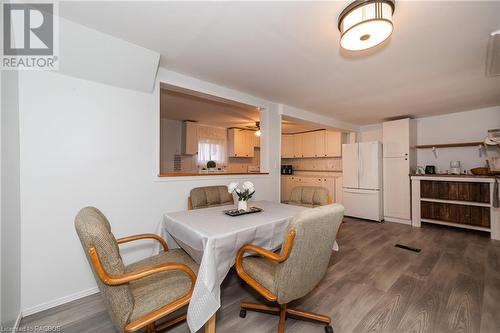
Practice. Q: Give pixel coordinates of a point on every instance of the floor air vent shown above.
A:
(409, 248)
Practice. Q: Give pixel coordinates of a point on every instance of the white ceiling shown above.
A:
(292, 125)
(288, 52)
(179, 106)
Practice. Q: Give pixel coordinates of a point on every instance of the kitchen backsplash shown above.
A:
(314, 164)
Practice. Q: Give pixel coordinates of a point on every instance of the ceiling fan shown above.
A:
(255, 127)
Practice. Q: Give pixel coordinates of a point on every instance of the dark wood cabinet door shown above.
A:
(461, 214)
(460, 191)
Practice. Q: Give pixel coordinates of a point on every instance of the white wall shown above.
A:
(10, 204)
(370, 133)
(85, 143)
(466, 126)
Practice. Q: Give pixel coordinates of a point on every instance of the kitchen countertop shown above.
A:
(451, 176)
(184, 174)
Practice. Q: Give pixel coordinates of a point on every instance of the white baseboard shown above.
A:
(18, 321)
(59, 301)
(397, 220)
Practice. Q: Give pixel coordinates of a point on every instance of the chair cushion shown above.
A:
(309, 196)
(157, 290)
(210, 196)
(94, 229)
(262, 270)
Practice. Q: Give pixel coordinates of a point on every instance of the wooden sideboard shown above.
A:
(459, 201)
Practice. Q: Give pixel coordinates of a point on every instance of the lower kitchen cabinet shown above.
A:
(461, 214)
(332, 184)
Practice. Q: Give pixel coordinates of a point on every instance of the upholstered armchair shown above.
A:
(140, 294)
(209, 196)
(297, 269)
(309, 196)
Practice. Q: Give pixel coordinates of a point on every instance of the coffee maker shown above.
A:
(286, 169)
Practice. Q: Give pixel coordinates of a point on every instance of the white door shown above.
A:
(396, 138)
(369, 165)
(397, 188)
(350, 166)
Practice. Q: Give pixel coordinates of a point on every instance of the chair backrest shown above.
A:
(210, 196)
(316, 231)
(94, 229)
(309, 196)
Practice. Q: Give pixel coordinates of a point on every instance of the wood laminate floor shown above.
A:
(452, 285)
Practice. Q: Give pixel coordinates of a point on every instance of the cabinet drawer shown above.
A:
(461, 214)
(460, 191)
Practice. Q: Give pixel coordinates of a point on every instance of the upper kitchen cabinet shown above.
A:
(397, 137)
(189, 139)
(297, 145)
(308, 144)
(256, 140)
(287, 146)
(240, 142)
(320, 143)
(333, 144)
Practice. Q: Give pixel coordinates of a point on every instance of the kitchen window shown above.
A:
(211, 150)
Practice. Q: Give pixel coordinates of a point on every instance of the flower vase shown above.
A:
(243, 205)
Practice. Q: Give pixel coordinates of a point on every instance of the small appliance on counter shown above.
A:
(455, 168)
(430, 170)
(287, 170)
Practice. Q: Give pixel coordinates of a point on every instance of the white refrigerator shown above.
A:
(362, 176)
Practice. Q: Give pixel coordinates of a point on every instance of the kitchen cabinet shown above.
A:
(256, 140)
(319, 143)
(339, 190)
(189, 138)
(399, 138)
(333, 144)
(332, 184)
(287, 146)
(240, 142)
(396, 189)
(457, 201)
(396, 138)
(297, 145)
(308, 144)
(311, 144)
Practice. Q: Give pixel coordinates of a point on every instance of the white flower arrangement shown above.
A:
(244, 193)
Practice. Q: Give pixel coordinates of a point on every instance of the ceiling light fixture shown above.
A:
(365, 23)
(257, 124)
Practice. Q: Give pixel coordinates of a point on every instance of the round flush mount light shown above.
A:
(365, 23)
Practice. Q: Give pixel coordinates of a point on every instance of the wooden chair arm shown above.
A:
(282, 256)
(143, 236)
(132, 276)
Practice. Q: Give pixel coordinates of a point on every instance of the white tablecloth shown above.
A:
(213, 239)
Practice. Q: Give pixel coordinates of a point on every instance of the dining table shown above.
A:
(213, 238)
